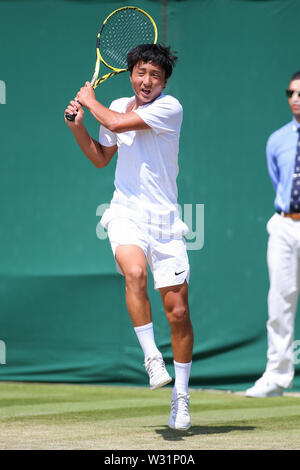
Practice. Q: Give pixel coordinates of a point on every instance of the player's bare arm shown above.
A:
(98, 154)
(112, 120)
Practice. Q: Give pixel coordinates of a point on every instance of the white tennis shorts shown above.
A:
(167, 256)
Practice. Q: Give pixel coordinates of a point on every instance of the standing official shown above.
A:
(283, 157)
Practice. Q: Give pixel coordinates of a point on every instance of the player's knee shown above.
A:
(178, 315)
(136, 277)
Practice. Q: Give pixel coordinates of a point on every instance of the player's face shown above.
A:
(148, 81)
(294, 100)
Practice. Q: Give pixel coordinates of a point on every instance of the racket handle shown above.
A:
(70, 117)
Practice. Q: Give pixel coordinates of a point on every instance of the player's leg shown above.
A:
(175, 301)
(133, 263)
(170, 267)
(129, 248)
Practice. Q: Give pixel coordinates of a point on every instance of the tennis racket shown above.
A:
(124, 29)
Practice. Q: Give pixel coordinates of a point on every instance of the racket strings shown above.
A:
(123, 31)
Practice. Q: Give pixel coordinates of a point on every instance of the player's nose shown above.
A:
(147, 80)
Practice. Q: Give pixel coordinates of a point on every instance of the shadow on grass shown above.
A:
(174, 435)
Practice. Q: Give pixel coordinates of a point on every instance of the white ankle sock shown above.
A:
(182, 375)
(145, 336)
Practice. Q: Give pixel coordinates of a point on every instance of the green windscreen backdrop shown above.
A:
(63, 316)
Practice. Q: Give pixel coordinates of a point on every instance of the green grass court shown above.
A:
(52, 416)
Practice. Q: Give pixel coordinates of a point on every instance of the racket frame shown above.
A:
(115, 71)
(95, 80)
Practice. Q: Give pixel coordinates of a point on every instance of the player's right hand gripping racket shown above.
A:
(124, 29)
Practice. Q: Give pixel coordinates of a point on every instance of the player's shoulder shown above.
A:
(280, 133)
(169, 100)
(120, 104)
(166, 105)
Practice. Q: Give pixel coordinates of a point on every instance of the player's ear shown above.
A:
(166, 80)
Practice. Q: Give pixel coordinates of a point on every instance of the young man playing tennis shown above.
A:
(143, 223)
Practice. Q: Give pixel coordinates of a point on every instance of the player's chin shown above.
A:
(145, 95)
(148, 97)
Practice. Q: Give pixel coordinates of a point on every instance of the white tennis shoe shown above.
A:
(179, 416)
(264, 388)
(158, 374)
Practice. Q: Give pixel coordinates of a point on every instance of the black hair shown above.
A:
(296, 76)
(155, 53)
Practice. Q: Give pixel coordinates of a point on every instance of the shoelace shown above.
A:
(181, 404)
(149, 365)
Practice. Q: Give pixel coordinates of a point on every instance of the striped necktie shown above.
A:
(295, 194)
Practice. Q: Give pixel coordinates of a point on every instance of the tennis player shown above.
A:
(143, 222)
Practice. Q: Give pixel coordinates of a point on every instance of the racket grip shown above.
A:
(70, 117)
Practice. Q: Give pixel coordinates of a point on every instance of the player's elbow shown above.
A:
(103, 156)
(101, 161)
(100, 164)
(98, 160)
(116, 126)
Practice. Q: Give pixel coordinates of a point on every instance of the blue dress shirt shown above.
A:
(281, 153)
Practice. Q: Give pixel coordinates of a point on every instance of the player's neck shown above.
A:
(138, 102)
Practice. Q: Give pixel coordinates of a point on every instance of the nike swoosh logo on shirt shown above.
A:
(177, 274)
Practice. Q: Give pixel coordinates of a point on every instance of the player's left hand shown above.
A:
(86, 95)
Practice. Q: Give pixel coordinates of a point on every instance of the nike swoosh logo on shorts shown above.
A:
(177, 274)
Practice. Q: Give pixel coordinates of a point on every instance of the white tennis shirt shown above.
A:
(147, 165)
